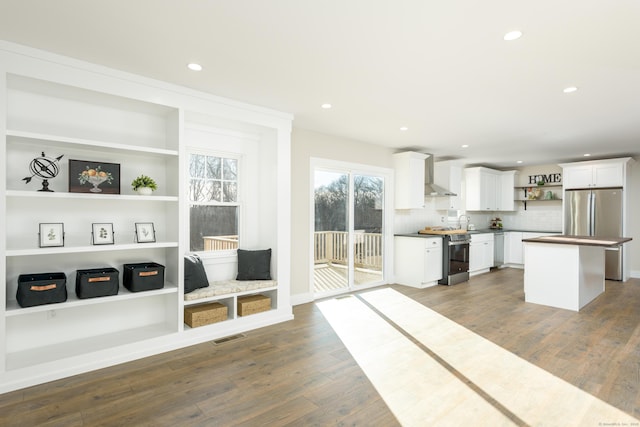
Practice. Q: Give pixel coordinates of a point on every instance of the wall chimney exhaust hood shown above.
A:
(431, 188)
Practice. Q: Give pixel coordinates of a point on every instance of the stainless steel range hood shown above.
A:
(431, 188)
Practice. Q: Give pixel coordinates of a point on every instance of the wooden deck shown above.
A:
(327, 278)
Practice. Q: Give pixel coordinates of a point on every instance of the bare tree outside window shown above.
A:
(213, 196)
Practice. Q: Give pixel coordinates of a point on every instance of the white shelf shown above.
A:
(86, 143)
(228, 296)
(57, 352)
(80, 196)
(85, 249)
(13, 309)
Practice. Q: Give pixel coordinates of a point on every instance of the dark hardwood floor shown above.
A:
(299, 373)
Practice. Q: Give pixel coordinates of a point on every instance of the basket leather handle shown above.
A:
(43, 287)
(148, 273)
(99, 279)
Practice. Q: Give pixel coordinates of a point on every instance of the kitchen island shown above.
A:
(565, 271)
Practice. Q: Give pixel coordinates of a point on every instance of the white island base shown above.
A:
(563, 276)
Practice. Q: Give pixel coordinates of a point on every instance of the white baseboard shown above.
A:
(301, 298)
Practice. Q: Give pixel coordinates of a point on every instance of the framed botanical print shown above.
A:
(102, 234)
(51, 234)
(145, 232)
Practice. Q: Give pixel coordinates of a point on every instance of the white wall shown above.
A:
(305, 145)
(539, 216)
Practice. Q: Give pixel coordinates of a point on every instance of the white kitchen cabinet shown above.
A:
(505, 199)
(449, 176)
(595, 173)
(481, 253)
(514, 248)
(59, 106)
(409, 180)
(418, 261)
(488, 189)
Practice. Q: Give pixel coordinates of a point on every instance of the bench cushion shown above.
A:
(229, 287)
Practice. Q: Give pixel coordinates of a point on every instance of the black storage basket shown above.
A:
(144, 276)
(97, 282)
(42, 288)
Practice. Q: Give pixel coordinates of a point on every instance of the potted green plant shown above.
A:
(540, 183)
(144, 185)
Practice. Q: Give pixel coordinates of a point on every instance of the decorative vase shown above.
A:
(144, 191)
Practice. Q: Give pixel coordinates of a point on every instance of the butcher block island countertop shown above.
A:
(580, 240)
(566, 271)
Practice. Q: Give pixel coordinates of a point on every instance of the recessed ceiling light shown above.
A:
(512, 35)
(518, 161)
(326, 106)
(465, 146)
(403, 128)
(587, 155)
(194, 67)
(570, 89)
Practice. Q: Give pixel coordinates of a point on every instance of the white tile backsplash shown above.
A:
(537, 217)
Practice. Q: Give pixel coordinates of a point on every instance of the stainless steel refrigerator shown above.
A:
(597, 212)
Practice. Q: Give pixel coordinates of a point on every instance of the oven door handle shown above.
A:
(458, 243)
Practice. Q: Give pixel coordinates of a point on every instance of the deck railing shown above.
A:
(220, 243)
(330, 247)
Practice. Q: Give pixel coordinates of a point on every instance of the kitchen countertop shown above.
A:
(580, 240)
(416, 234)
(480, 231)
(504, 230)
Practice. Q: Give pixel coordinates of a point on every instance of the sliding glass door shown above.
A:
(348, 230)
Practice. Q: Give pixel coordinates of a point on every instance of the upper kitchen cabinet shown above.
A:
(595, 173)
(488, 189)
(409, 180)
(448, 175)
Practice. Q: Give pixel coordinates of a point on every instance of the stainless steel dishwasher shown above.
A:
(498, 248)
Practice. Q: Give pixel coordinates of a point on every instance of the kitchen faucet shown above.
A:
(467, 218)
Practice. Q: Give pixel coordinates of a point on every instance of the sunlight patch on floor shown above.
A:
(419, 390)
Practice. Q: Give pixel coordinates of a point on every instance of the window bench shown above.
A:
(223, 288)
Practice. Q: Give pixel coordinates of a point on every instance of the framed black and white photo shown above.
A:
(51, 234)
(102, 233)
(145, 233)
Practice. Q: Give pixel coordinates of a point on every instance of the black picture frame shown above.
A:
(51, 234)
(145, 232)
(94, 177)
(102, 233)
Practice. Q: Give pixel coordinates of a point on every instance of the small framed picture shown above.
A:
(51, 234)
(145, 233)
(94, 177)
(102, 234)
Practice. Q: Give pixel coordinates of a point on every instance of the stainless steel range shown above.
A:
(455, 258)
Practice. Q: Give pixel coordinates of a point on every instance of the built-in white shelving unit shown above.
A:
(65, 107)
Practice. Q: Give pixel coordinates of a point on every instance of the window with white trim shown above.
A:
(213, 202)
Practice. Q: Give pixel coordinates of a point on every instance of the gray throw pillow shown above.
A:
(254, 265)
(194, 275)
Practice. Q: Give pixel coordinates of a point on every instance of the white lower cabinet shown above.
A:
(513, 247)
(418, 261)
(480, 253)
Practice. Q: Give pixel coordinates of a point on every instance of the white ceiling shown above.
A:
(441, 68)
